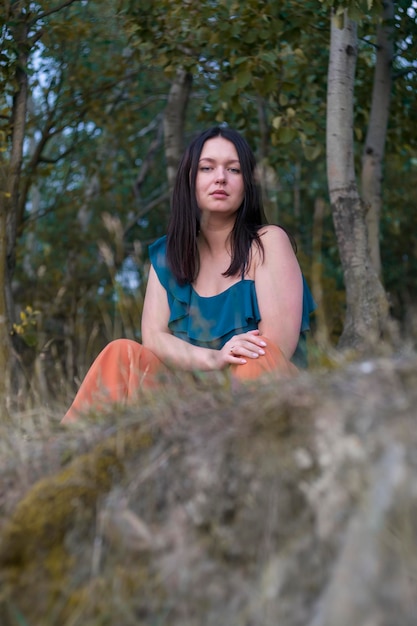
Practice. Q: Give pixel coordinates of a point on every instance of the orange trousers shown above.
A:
(125, 367)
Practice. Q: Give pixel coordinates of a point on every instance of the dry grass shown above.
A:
(213, 504)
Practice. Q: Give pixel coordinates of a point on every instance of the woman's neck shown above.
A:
(214, 241)
(215, 236)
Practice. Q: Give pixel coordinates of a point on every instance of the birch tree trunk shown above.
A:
(174, 120)
(10, 199)
(367, 313)
(373, 153)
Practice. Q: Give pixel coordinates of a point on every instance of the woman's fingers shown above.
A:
(249, 345)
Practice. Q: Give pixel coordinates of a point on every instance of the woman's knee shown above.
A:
(121, 345)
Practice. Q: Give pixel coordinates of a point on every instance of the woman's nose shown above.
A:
(221, 175)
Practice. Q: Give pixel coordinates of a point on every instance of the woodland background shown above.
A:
(289, 502)
(98, 100)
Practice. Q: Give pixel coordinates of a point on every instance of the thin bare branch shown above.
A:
(146, 163)
(55, 9)
(404, 72)
(163, 197)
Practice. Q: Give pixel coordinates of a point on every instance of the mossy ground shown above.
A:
(212, 504)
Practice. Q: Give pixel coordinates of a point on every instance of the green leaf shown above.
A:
(285, 135)
(276, 122)
(283, 99)
(269, 57)
(312, 152)
(240, 60)
(339, 20)
(243, 77)
(309, 128)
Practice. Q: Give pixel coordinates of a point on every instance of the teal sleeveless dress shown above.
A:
(210, 322)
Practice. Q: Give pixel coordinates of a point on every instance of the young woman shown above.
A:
(224, 290)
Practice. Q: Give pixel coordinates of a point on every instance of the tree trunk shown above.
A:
(366, 302)
(373, 153)
(4, 326)
(174, 119)
(18, 134)
(8, 205)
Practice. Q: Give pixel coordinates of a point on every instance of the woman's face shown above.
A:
(219, 184)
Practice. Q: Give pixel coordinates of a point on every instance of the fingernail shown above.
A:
(263, 343)
(255, 355)
(261, 351)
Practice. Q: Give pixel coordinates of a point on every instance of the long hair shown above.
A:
(184, 223)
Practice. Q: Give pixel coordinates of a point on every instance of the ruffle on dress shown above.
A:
(206, 321)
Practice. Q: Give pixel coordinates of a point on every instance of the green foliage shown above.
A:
(249, 55)
(398, 233)
(28, 326)
(98, 90)
(356, 9)
(91, 102)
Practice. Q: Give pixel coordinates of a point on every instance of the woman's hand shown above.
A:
(239, 348)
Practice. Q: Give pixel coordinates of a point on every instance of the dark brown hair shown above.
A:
(184, 224)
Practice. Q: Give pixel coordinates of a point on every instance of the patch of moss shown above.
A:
(42, 518)
(36, 558)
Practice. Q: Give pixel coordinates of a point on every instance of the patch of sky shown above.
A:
(128, 276)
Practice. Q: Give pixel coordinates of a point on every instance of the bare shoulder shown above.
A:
(276, 248)
(273, 235)
(276, 242)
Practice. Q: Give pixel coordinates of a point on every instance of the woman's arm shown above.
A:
(178, 353)
(279, 289)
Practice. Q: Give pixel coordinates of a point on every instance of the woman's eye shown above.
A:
(205, 168)
(234, 170)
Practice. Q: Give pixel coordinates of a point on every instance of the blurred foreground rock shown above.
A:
(281, 504)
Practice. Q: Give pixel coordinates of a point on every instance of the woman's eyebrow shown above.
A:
(214, 160)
